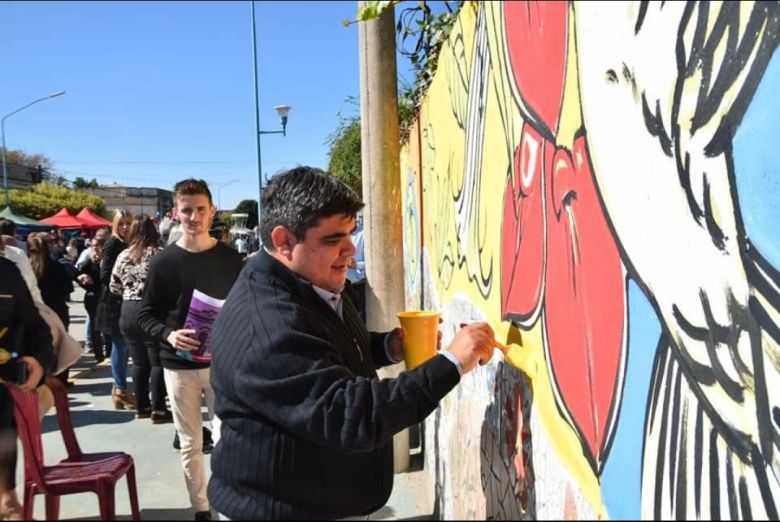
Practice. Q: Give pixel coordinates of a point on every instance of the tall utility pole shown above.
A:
(257, 117)
(382, 217)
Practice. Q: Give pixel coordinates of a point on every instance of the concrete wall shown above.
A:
(597, 180)
(22, 177)
(136, 200)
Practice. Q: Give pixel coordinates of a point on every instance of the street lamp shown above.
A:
(219, 191)
(281, 110)
(2, 131)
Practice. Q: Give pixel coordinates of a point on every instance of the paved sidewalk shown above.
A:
(162, 494)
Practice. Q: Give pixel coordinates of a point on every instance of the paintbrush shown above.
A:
(515, 355)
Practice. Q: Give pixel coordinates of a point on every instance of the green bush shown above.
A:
(45, 199)
(345, 162)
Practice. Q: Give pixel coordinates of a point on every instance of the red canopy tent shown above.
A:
(65, 219)
(93, 220)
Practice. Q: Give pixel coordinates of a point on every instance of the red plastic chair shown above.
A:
(79, 473)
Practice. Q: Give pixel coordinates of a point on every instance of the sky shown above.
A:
(160, 91)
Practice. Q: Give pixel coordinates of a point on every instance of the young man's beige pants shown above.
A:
(186, 389)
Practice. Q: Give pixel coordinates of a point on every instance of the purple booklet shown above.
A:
(200, 317)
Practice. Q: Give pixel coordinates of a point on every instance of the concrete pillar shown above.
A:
(382, 217)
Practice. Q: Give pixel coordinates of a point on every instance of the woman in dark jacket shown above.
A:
(109, 309)
(89, 279)
(23, 331)
(53, 281)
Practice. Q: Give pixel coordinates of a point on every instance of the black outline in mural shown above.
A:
(448, 256)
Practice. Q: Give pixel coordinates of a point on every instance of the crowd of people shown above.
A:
(302, 426)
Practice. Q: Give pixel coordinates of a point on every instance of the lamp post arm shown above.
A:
(22, 108)
(2, 130)
(271, 132)
(219, 191)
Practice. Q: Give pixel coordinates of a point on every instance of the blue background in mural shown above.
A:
(622, 475)
(758, 167)
(758, 187)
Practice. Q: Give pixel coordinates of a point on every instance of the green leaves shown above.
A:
(248, 206)
(45, 199)
(421, 32)
(370, 11)
(345, 162)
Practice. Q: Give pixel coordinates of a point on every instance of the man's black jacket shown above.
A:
(307, 425)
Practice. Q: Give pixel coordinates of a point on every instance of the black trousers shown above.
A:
(90, 304)
(147, 371)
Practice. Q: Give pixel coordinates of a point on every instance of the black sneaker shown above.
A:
(208, 443)
(203, 515)
(161, 417)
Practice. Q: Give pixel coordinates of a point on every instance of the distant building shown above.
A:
(23, 177)
(136, 200)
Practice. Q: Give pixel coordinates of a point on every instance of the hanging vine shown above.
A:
(420, 35)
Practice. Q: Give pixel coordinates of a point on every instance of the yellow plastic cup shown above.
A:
(421, 331)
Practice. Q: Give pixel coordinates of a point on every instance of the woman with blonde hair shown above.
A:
(128, 279)
(109, 309)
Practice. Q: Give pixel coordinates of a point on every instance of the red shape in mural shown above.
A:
(584, 297)
(557, 248)
(536, 33)
(523, 229)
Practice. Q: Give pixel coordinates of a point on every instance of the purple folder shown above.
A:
(200, 317)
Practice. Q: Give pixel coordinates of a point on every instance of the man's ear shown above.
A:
(283, 241)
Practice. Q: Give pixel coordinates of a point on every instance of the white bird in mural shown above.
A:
(664, 86)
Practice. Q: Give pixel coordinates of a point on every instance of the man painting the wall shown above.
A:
(307, 424)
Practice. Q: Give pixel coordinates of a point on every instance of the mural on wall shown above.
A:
(410, 202)
(607, 132)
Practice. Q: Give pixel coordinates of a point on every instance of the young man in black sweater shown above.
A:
(307, 425)
(196, 261)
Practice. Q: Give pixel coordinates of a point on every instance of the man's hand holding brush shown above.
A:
(473, 344)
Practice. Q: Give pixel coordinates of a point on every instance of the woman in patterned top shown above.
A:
(128, 279)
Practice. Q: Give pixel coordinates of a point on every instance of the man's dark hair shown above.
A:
(192, 187)
(7, 227)
(299, 198)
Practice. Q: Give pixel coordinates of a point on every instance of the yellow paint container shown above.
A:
(421, 331)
